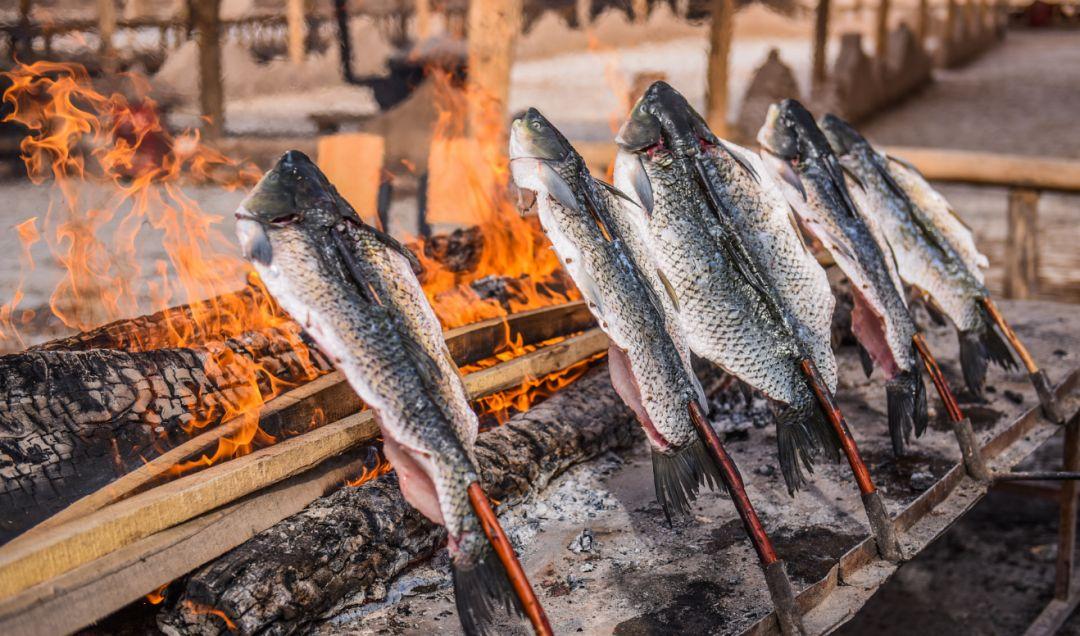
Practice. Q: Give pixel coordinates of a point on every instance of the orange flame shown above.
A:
(157, 596)
(381, 467)
(199, 608)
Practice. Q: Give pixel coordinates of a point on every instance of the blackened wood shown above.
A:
(353, 543)
(72, 421)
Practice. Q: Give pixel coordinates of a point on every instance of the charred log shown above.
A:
(352, 543)
(71, 421)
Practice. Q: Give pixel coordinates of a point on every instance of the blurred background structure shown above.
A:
(984, 92)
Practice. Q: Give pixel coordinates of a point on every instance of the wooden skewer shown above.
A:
(887, 543)
(1037, 375)
(783, 595)
(974, 462)
(509, 559)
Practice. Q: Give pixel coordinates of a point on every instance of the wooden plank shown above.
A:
(985, 168)
(1054, 615)
(96, 589)
(333, 397)
(354, 162)
(721, 28)
(1022, 244)
(62, 548)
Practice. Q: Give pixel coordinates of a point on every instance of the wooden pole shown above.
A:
(641, 11)
(1066, 556)
(716, 91)
(583, 12)
(882, 31)
(423, 19)
(1022, 244)
(949, 39)
(493, 28)
(821, 38)
(294, 16)
(341, 15)
(922, 26)
(106, 31)
(206, 19)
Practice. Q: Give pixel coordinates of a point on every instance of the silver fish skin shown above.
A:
(813, 181)
(353, 290)
(724, 316)
(925, 257)
(575, 211)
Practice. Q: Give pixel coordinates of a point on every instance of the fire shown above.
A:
(199, 608)
(380, 468)
(470, 182)
(118, 180)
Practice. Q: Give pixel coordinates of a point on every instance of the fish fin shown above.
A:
(997, 349)
(639, 180)
(786, 171)
(835, 172)
(802, 434)
(936, 315)
(481, 587)
(854, 178)
(736, 154)
(355, 269)
(557, 187)
(904, 162)
(905, 395)
(668, 289)
(598, 211)
(973, 360)
(678, 475)
(911, 167)
(349, 215)
(865, 359)
(617, 192)
(747, 393)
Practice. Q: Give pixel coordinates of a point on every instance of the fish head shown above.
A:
(662, 118)
(293, 196)
(532, 136)
(842, 136)
(790, 133)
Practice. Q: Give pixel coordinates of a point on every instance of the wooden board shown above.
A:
(59, 549)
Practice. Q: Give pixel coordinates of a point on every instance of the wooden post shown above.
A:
(716, 90)
(583, 12)
(106, 31)
(922, 25)
(493, 29)
(641, 11)
(294, 16)
(1022, 244)
(423, 19)
(341, 15)
(949, 40)
(882, 36)
(821, 38)
(1067, 526)
(205, 15)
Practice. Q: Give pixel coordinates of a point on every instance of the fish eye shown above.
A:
(535, 124)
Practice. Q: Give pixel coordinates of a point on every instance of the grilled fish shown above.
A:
(724, 306)
(812, 179)
(926, 257)
(353, 289)
(646, 366)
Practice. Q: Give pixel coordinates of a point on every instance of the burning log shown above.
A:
(70, 421)
(356, 540)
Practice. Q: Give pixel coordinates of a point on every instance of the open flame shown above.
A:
(117, 200)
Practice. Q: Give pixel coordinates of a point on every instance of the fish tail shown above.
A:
(802, 433)
(905, 395)
(973, 360)
(481, 585)
(997, 349)
(678, 475)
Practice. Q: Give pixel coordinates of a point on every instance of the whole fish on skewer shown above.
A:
(812, 179)
(925, 239)
(353, 290)
(646, 366)
(722, 302)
